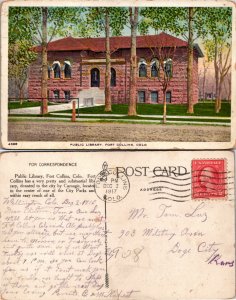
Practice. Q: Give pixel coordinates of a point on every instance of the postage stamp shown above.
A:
(209, 179)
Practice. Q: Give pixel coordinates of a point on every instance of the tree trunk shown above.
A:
(108, 64)
(190, 63)
(204, 84)
(216, 76)
(44, 103)
(133, 62)
(218, 109)
(217, 99)
(21, 95)
(217, 105)
(19, 88)
(223, 69)
(16, 90)
(164, 106)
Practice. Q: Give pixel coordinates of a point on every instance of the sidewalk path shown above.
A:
(146, 116)
(120, 120)
(36, 110)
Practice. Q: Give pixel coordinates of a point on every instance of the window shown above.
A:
(49, 72)
(141, 96)
(154, 97)
(67, 95)
(57, 69)
(142, 68)
(168, 97)
(113, 77)
(56, 94)
(168, 66)
(67, 69)
(154, 67)
(95, 77)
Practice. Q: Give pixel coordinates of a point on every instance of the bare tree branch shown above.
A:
(52, 35)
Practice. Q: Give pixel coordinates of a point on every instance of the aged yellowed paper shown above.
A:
(121, 225)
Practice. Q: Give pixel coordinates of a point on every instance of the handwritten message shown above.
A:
(54, 247)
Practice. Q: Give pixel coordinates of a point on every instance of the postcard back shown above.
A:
(123, 225)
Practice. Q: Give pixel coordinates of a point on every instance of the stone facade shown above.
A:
(83, 61)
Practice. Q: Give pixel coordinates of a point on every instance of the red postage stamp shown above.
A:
(209, 180)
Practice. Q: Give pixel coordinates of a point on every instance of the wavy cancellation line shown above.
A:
(205, 170)
(173, 178)
(169, 188)
(213, 177)
(167, 198)
(170, 176)
(176, 184)
(187, 190)
(213, 183)
(213, 189)
(178, 196)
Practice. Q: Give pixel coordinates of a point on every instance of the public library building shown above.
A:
(76, 69)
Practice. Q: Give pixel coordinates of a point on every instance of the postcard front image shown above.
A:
(78, 76)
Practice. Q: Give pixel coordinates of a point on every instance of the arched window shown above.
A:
(113, 77)
(67, 69)
(142, 68)
(95, 77)
(57, 69)
(168, 66)
(155, 67)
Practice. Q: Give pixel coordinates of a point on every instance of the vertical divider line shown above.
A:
(106, 274)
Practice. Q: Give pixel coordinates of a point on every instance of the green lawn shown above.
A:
(16, 104)
(200, 109)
